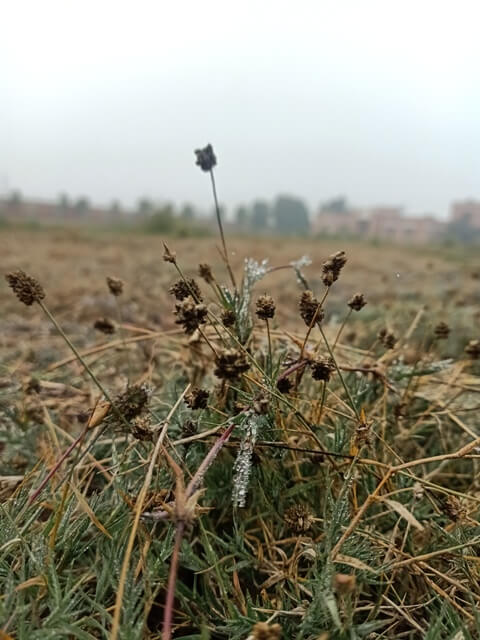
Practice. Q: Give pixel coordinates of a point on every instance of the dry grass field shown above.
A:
(324, 486)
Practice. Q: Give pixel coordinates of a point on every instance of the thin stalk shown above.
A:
(82, 361)
(345, 320)
(347, 391)
(270, 361)
(122, 336)
(172, 580)
(220, 227)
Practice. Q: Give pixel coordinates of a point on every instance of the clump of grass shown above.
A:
(276, 484)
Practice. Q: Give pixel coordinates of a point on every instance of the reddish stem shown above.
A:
(172, 581)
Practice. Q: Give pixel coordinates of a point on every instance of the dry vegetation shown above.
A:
(326, 485)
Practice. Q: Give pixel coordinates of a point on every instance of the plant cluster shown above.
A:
(279, 485)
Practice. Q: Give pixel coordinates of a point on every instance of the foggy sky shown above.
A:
(376, 100)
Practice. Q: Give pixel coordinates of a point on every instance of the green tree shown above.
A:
(145, 207)
(335, 205)
(241, 217)
(187, 213)
(81, 206)
(260, 215)
(290, 215)
(162, 220)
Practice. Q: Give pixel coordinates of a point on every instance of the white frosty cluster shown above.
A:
(243, 464)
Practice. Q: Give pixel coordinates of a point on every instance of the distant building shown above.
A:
(466, 212)
(385, 223)
(20, 210)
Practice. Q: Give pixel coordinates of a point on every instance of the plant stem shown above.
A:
(220, 227)
(345, 320)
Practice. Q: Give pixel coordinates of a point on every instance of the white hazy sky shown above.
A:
(375, 99)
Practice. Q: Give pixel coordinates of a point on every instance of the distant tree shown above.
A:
(335, 205)
(241, 217)
(162, 220)
(115, 208)
(81, 206)
(463, 231)
(260, 215)
(290, 215)
(187, 213)
(145, 207)
(63, 202)
(15, 198)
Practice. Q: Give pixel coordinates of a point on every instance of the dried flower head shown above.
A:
(331, 268)
(299, 518)
(284, 385)
(322, 368)
(387, 338)
(228, 318)
(453, 508)
(265, 631)
(197, 398)
(184, 288)
(265, 307)
(473, 349)
(133, 401)
(230, 364)
(310, 309)
(261, 405)
(442, 331)
(104, 325)
(169, 256)
(115, 285)
(142, 428)
(344, 583)
(205, 272)
(357, 302)
(206, 158)
(190, 315)
(27, 289)
(362, 435)
(189, 428)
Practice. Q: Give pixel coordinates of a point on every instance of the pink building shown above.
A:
(467, 211)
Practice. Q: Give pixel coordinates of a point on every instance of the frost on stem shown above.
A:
(253, 273)
(298, 265)
(243, 464)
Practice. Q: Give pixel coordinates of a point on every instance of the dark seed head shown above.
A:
(190, 315)
(104, 325)
(265, 307)
(132, 401)
(331, 268)
(169, 256)
(115, 285)
(357, 302)
(142, 428)
(197, 398)
(322, 368)
(387, 338)
(230, 364)
(473, 349)
(442, 331)
(228, 318)
(205, 272)
(284, 385)
(206, 158)
(310, 308)
(184, 288)
(299, 518)
(27, 289)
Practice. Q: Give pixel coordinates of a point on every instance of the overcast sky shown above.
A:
(377, 100)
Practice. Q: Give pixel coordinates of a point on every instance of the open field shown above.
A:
(327, 487)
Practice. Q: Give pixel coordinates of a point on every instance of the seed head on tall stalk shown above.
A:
(207, 160)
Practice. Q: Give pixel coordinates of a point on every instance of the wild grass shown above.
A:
(231, 464)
